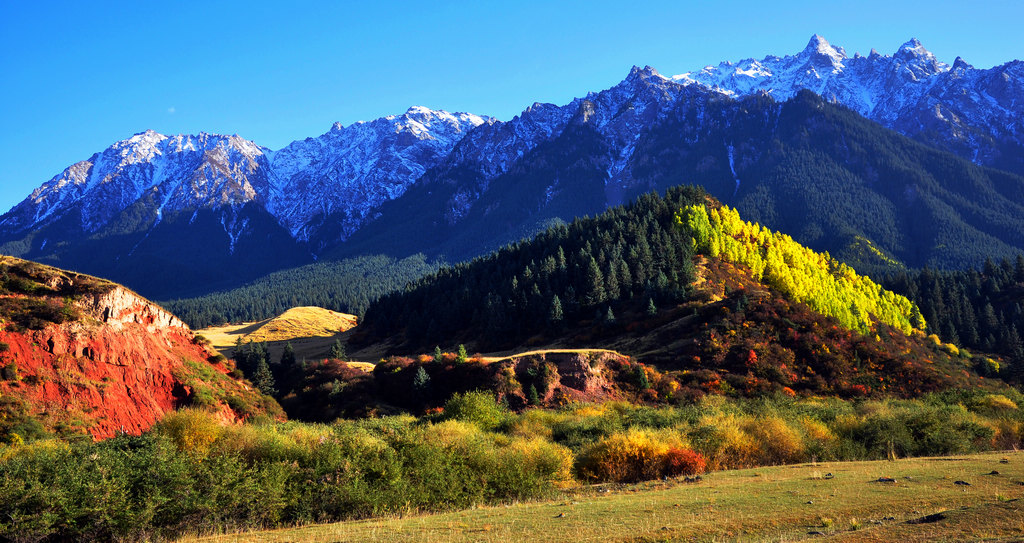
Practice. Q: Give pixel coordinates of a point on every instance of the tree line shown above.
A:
(586, 270)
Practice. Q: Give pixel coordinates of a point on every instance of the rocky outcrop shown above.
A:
(576, 375)
(117, 365)
(120, 307)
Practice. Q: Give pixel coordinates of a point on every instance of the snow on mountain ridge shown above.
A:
(354, 169)
(183, 172)
(323, 189)
(970, 111)
(348, 170)
(859, 82)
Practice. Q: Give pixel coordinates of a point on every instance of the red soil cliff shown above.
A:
(113, 362)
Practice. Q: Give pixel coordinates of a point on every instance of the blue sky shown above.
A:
(76, 78)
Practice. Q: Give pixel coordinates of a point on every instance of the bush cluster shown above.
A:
(191, 473)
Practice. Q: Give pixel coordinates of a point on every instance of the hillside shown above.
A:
(83, 355)
(299, 322)
(814, 170)
(694, 300)
(979, 309)
(311, 331)
(346, 286)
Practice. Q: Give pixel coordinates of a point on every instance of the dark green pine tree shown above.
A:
(532, 397)
(263, 378)
(421, 381)
(555, 314)
(288, 355)
(594, 292)
(611, 282)
(438, 355)
(640, 377)
(652, 309)
(609, 316)
(338, 350)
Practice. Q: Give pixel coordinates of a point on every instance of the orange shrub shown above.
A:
(677, 461)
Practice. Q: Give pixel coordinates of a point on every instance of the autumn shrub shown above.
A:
(579, 429)
(820, 441)
(531, 467)
(629, 457)
(997, 404)
(775, 440)
(477, 407)
(678, 461)
(533, 423)
(192, 431)
(913, 428)
(723, 440)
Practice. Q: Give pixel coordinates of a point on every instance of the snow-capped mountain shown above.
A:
(973, 112)
(178, 173)
(619, 114)
(348, 172)
(344, 174)
(430, 175)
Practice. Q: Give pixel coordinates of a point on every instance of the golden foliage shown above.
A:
(826, 285)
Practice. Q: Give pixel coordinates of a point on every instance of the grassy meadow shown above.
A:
(836, 501)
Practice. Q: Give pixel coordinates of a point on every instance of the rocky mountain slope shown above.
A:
(170, 215)
(973, 112)
(83, 355)
(177, 215)
(830, 178)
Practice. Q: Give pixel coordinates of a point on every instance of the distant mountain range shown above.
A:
(173, 216)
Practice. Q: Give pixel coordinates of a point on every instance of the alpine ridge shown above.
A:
(462, 183)
(972, 112)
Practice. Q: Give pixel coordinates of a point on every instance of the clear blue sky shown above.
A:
(78, 76)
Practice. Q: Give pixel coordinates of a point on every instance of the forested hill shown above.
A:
(592, 269)
(347, 286)
(583, 270)
(980, 309)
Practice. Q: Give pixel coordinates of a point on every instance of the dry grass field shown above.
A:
(311, 330)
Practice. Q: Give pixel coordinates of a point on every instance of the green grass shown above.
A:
(776, 503)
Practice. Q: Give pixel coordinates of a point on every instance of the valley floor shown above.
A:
(836, 501)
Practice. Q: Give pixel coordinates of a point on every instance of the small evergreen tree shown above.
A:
(594, 292)
(531, 396)
(263, 378)
(640, 377)
(288, 355)
(652, 309)
(338, 350)
(421, 381)
(609, 316)
(555, 314)
(461, 356)
(438, 355)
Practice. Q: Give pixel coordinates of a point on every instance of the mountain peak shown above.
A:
(961, 64)
(819, 45)
(646, 70)
(918, 61)
(913, 49)
(419, 110)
